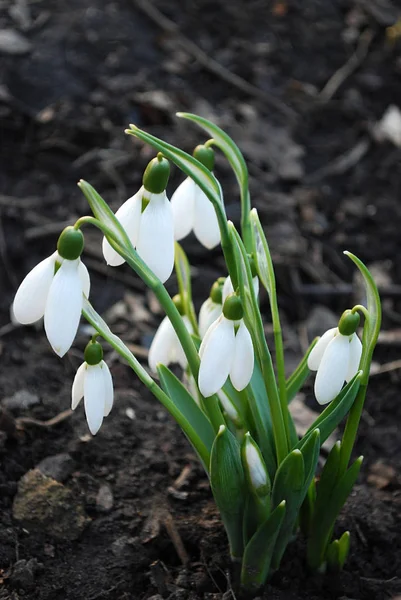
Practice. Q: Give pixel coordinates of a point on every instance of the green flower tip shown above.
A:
(155, 177)
(179, 304)
(70, 243)
(349, 322)
(205, 155)
(216, 292)
(93, 353)
(232, 308)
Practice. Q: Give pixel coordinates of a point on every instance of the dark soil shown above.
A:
(134, 501)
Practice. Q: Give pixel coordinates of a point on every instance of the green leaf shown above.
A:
(288, 485)
(337, 553)
(334, 413)
(372, 326)
(228, 486)
(263, 259)
(258, 552)
(310, 451)
(187, 406)
(300, 375)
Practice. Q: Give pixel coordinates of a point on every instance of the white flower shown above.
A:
(225, 352)
(166, 347)
(336, 359)
(192, 210)
(228, 287)
(209, 312)
(151, 232)
(95, 385)
(56, 296)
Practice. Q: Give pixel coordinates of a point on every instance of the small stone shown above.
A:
(12, 42)
(104, 498)
(43, 504)
(23, 574)
(59, 466)
(21, 400)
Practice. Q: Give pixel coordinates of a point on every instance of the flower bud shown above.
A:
(254, 467)
(70, 243)
(216, 293)
(349, 322)
(155, 177)
(93, 354)
(205, 155)
(179, 304)
(232, 308)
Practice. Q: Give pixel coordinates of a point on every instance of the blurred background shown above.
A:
(310, 91)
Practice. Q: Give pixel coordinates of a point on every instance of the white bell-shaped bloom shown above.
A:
(166, 347)
(209, 312)
(95, 385)
(192, 210)
(225, 352)
(336, 359)
(58, 296)
(228, 287)
(151, 232)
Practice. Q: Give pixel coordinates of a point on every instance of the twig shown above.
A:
(175, 537)
(339, 77)
(21, 421)
(210, 63)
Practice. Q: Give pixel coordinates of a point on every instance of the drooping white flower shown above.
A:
(193, 211)
(336, 359)
(150, 231)
(225, 352)
(93, 383)
(209, 312)
(166, 347)
(56, 294)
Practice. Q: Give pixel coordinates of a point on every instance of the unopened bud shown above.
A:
(70, 243)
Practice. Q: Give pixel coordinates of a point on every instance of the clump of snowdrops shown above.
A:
(233, 402)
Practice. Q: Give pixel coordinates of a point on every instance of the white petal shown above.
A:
(208, 334)
(332, 369)
(63, 307)
(94, 397)
(77, 392)
(242, 365)
(108, 388)
(180, 357)
(30, 299)
(183, 205)
(318, 350)
(209, 312)
(355, 353)
(227, 288)
(163, 344)
(85, 279)
(156, 236)
(206, 226)
(256, 468)
(129, 215)
(217, 356)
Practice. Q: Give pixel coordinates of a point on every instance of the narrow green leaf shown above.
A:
(258, 552)
(310, 452)
(264, 263)
(186, 405)
(228, 486)
(288, 485)
(344, 548)
(334, 413)
(300, 375)
(183, 272)
(372, 327)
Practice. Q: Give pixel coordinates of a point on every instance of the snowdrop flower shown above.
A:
(254, 467)
(336, 357)
(147, 218)
(54, 289)
(212, 308)
(192, 209)
(226, 350)
(166, 347)
(94, 384)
